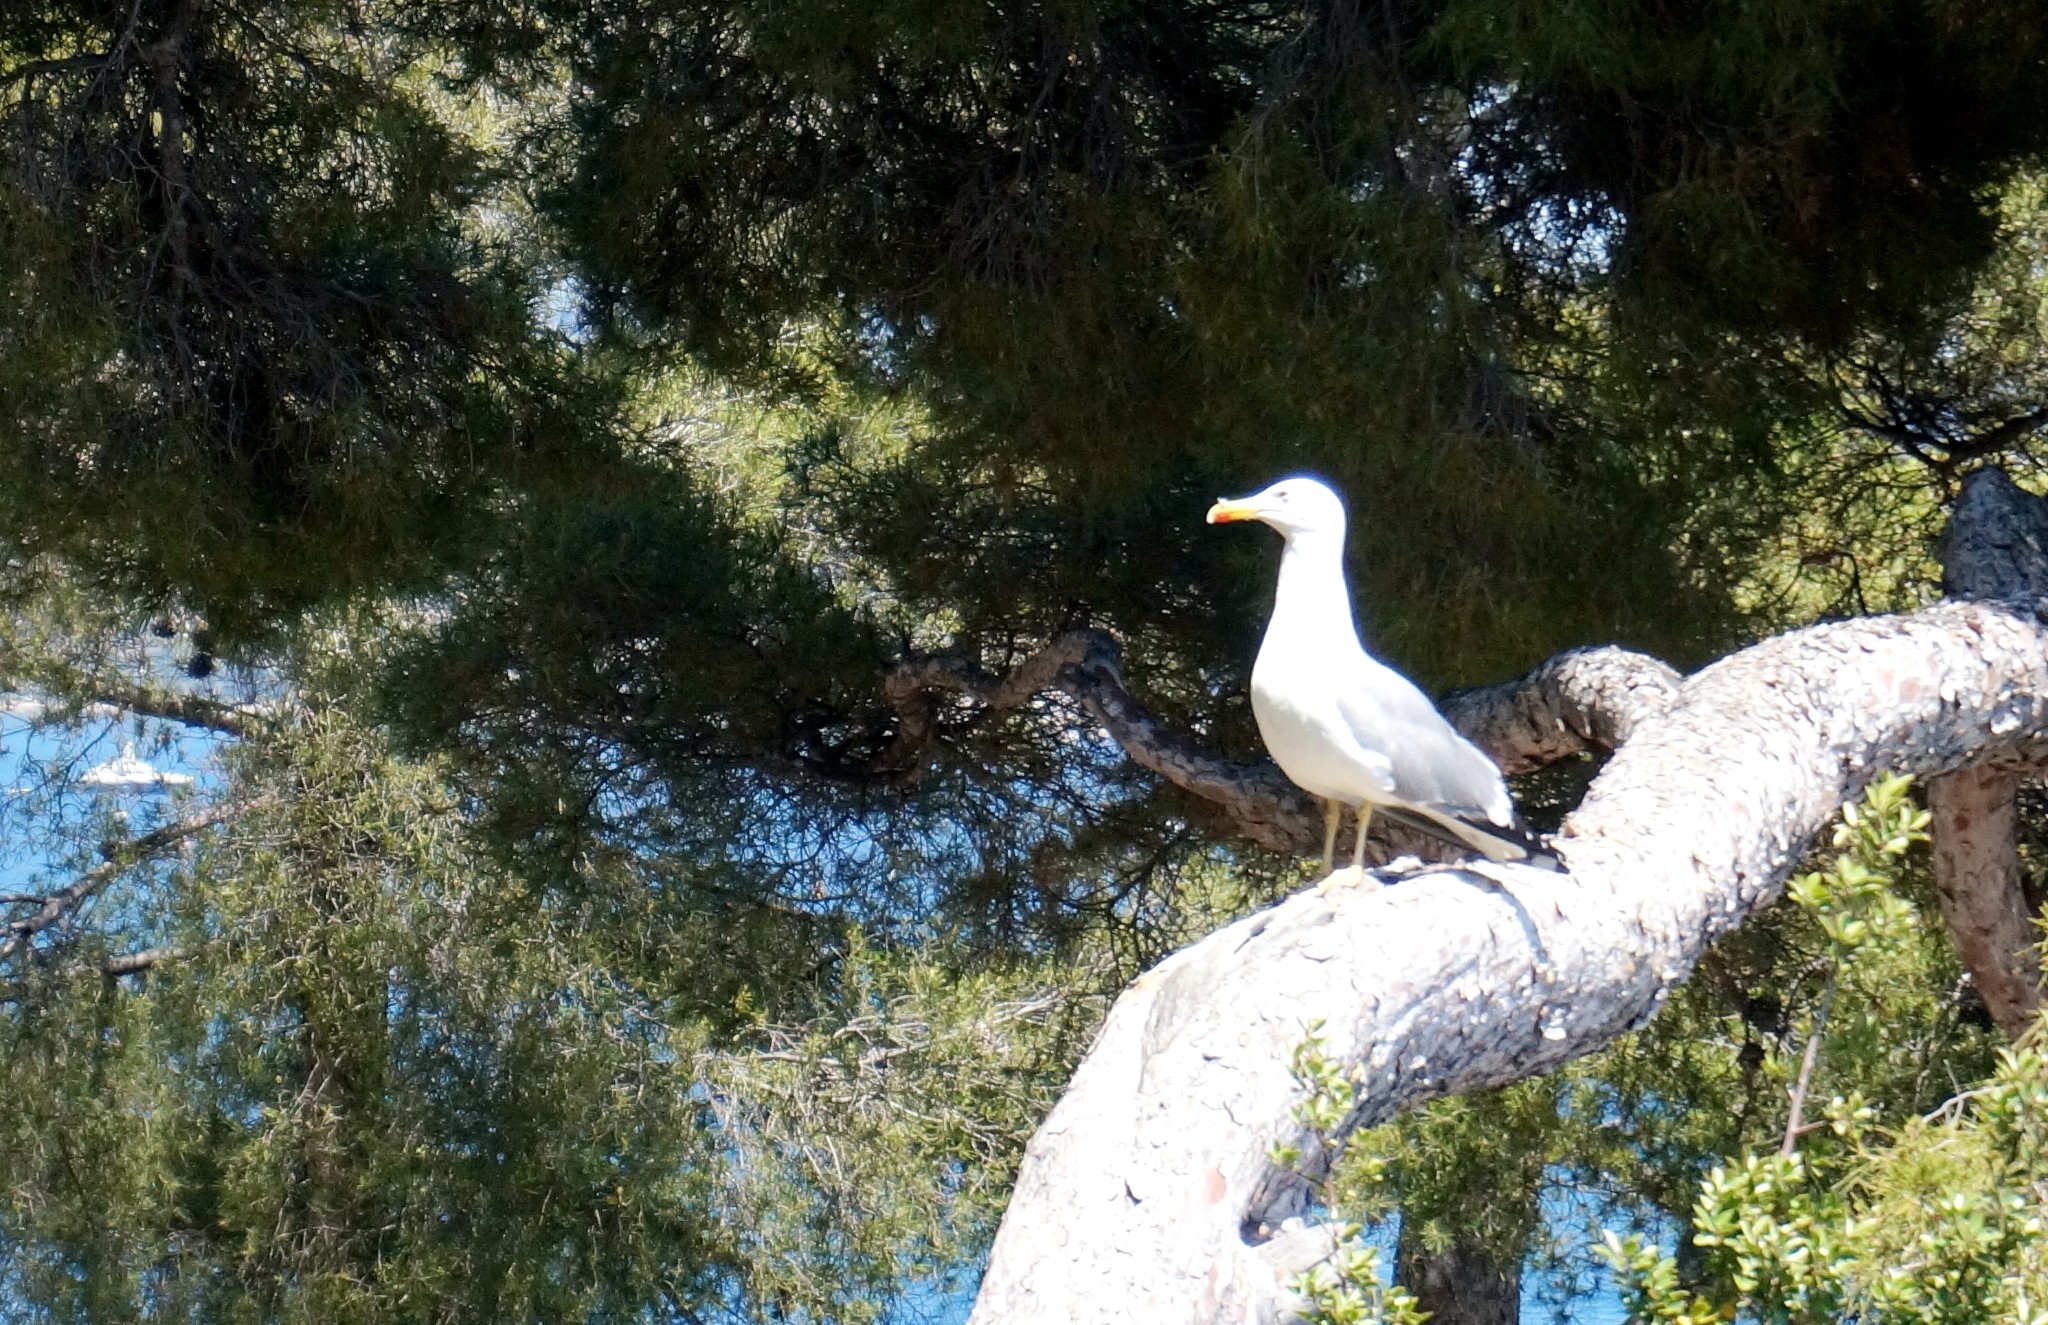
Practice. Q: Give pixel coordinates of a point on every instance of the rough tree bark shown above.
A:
(1997, 552)
(1147, 1194)
(1978, 885)
(1463, 1284)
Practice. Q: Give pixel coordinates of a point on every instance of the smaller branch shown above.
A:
(1257, 798)
(91, 62)
(121, 857)
(135, 963)
(911, 685)
(70, 686)
(1588, 699)
(1935, 432)
(2001, 434)
(1806, 1064)
(197, 711)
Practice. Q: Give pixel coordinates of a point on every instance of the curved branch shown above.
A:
(1147, 1193)
(1587, 699)
(1256, 798)
(1584, 700)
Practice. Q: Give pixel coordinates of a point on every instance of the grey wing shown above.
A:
(1432, 765)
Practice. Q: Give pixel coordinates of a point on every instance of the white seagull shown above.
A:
(1342, 725)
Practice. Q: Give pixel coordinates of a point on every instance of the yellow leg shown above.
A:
(1348, 878)
(1333, 815)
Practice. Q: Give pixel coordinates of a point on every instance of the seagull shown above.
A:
(1344, 726)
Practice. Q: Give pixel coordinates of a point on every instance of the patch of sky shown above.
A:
(882, 341)
(77, 780)
(561, 309)
(1565, 238)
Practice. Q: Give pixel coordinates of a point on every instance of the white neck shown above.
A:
(1312, 590)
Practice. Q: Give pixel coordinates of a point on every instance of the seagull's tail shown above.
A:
(1509, 845)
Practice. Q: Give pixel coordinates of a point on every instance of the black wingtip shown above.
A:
(1512, 846)
(1528, 848)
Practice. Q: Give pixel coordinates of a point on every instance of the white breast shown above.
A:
(1300, 731)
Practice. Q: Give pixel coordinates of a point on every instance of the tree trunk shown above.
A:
(1977, 881)
(1462, 1284)
(1149, 1195)
(1997, 551)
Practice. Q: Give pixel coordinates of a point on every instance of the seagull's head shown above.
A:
(1298, 507)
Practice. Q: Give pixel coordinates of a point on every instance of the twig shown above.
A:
(1806, 1062)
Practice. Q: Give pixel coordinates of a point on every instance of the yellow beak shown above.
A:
(1224, 512)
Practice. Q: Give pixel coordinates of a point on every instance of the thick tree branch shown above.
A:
(1996, 549)
(1588, 699)
(1148, 1193)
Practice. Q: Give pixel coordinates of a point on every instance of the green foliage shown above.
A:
(1346, 1289)
(1678, 1126)
(264, 357)
(1938, 1221)
(1886, 1214)
(1853, 901)
(375, 1076)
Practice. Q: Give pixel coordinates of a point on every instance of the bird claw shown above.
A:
(1351, 876)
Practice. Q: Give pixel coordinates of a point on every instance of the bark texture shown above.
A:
(1462, 1284)
(1977, 881)
(1586, 700)
(1148, 1195)
(1997, 551)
